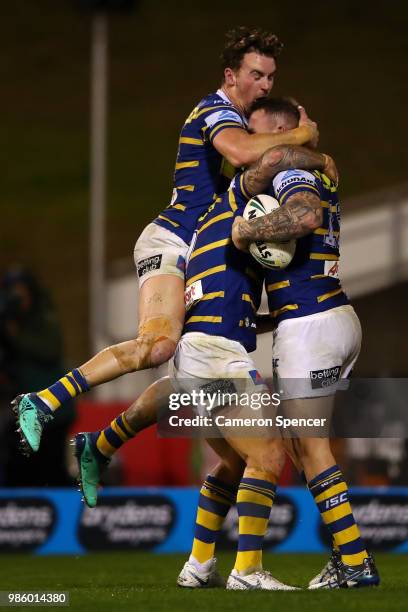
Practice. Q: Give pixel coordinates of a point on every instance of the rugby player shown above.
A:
(213, 140)
(317, 341)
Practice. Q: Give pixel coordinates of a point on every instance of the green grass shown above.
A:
(144, 581)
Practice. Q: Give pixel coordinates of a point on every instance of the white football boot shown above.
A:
(194, 578)
(261, 580)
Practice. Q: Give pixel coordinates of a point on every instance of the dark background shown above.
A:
(345, 61)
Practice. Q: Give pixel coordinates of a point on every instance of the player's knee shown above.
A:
(269, 458)
(162, 350)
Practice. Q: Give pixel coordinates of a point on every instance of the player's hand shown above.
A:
(239, 230)
(330, 169)
(312, 125)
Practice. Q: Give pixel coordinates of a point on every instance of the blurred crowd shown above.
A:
(31, 355)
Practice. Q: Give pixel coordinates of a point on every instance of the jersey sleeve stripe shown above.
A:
(189, 164)
(242, 185)
(232, 200)
(222, 126)
(191, 141)
(321, 231)
(186, 187)
(296, 189)
(276, 313)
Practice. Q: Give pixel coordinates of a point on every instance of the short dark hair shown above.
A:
(245, 40)
(276, 106)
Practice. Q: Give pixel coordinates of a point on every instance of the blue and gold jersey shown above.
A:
(223, 285)
(201, 173)
(310, 283)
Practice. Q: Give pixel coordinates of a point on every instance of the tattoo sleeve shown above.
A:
(300, 215)
(258, 176)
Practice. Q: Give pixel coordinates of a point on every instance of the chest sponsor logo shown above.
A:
(325, 378)
(148, 264)
(192, 294)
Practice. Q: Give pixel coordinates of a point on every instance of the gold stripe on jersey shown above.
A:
(179, 207)
(220, 217)
(189, 164)
(321, 231)
(276, 313)
(210, 247)
(304, 188)
(276, 286)
(247, 298)
(204, 319)
(186, 187)
(327, 256)
(232, 201)
(242, 185)
(208, 272)
(213, 295)
(319, 276)
(192, 141)
(324, 204)
(328, 295)
(169, 221)
(225, 124)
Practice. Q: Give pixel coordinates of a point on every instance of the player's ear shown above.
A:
(229, 77)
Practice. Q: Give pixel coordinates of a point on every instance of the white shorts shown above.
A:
(201, 357)
(312, 355)
(159, 251)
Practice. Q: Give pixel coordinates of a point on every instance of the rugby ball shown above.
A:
(273, 255)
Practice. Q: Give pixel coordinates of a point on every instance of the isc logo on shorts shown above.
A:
(325, 378)
(148, 264)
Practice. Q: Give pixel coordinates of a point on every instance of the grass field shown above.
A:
(144, 581)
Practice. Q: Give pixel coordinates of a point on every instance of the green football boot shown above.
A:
(90, 467)
(31, 419)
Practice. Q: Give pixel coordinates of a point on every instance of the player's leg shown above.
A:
(94, 450)
(218, 493)
(330, 491)
(159, 258)
(265, 459)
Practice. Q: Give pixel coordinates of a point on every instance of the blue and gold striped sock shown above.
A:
(67, 387)
(109, 440)
(330, 493)
(216, 498)
(254, 502)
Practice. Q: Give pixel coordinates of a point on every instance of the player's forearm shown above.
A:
(301, 215)
(258, 177)
(242, 149)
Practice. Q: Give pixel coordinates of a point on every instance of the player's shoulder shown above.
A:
(288, 178)
(216, 99)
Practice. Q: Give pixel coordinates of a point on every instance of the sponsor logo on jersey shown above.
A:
(331, 269)
(148, 264)
(223, 115)
(256, 377)
(193, 293)
(181, 263)
(325, 378)
(295, 178)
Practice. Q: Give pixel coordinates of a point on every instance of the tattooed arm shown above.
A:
(258, 177)
(300, 215)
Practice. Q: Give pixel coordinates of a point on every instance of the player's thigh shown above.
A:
(160, 257)
(162, 297)
(230, 458)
